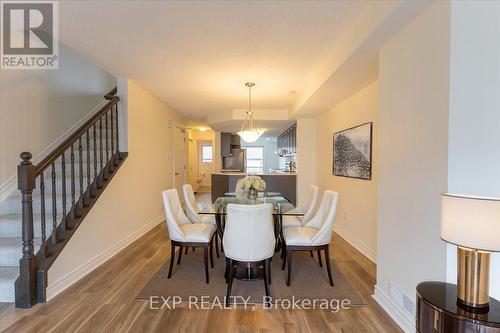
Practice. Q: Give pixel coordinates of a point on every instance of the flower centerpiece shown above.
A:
(252, 185)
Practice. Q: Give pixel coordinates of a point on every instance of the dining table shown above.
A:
(281, 208)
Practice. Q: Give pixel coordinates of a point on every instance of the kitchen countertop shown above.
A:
(254, 174)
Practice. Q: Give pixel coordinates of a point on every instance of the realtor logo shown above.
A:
(29, 35)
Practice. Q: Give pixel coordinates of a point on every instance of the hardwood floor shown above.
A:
(104, 301)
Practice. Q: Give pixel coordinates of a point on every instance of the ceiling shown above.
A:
(196, 56)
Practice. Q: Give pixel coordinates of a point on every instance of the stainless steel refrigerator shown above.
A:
(236, 162)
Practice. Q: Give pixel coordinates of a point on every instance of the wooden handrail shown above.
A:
(47, 161)
(85, 187)
(111, 94)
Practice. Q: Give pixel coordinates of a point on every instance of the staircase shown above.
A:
(54, 197)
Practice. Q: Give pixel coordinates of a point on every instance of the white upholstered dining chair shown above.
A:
(314, 236)
(183, 233)
(308, 209)
(193, 212)
(249, 238)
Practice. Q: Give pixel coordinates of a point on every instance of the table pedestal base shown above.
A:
(248, 271)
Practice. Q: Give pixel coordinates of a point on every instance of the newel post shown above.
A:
(26, 295)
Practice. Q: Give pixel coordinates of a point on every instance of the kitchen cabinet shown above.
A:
(225, 144)
(287, 142)
(228, 142)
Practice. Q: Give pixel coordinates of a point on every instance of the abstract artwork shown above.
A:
(352, 152)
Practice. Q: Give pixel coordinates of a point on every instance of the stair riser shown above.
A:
(9, 256)
(13, 228)
(7, 292)
(13, 205)
(8, 276)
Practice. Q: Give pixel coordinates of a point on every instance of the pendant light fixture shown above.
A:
(250, 133)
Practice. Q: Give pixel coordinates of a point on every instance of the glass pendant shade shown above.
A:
(250, 134)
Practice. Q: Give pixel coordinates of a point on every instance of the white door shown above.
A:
(180, 159)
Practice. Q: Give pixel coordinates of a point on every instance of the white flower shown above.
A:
(253, 181)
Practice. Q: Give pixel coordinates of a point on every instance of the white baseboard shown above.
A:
(10, 185)
(67, 280)
(365, 250)
(404, 321)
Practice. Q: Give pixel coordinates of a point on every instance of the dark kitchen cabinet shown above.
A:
(287, 142)
(228, 142)
(225, 144)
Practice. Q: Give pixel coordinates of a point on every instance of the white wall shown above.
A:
(356, 219)
(271, 159)
(39, 106)
(131, 204)
(413, 153)
(306, 158)
(474, 132)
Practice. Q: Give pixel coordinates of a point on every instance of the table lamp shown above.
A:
(473, 224)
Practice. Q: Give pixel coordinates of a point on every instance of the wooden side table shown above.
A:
(438, 312)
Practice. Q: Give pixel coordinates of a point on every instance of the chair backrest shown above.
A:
(239, 186)
(192, 208)
(311, 205)
(249, 232)
(174, 214)
(324, 218)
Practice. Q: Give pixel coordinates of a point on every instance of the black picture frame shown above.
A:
(350, 161)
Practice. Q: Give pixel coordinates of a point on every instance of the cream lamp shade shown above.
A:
(470, 221)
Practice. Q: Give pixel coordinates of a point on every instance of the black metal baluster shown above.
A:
(117, 125)
(100, 144)
(106, 124)
(72, 157)
(112, 134)
(88, 159)
(54, 204)
(42, 213)
(80, 173)
(95, 155)
(63, 169)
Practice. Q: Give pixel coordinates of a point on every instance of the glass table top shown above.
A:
(281, 206)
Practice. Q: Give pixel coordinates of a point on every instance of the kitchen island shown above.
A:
(285, 183)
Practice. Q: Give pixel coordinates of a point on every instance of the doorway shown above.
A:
(205, 165)
(180, 159)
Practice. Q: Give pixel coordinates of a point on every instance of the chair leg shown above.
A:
(172, 258)
(266, 277)
(212, 253)
(217, 245)
(284, 260)
(205, 255)
(186, 251)
(319, 258)
(311, 253)
(289, 255)
(328, 268)
(229, 281)
(269, 269)
(283, 255)
(180, 255)
(226, 271)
